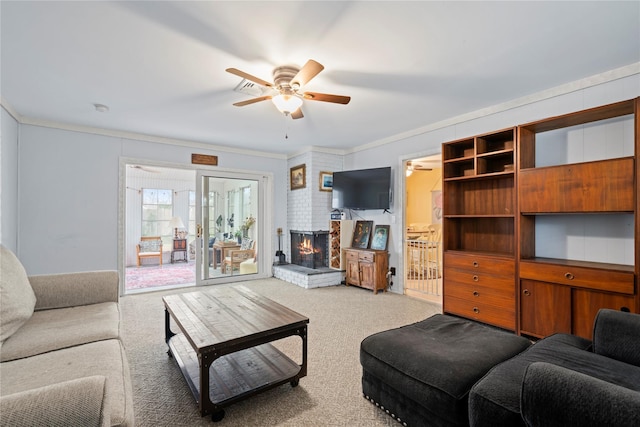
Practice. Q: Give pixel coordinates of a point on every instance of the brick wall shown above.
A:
(308, 208)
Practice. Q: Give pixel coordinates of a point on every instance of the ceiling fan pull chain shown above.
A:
(286, 127)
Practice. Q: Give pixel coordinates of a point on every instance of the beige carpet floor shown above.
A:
(331, 393)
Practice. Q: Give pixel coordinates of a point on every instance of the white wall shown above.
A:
(553, 102)
(69, 194)
(9, 182)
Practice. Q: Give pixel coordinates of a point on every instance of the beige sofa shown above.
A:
(61, 358)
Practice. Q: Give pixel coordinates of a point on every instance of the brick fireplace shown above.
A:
(309, 248)
(308, 208)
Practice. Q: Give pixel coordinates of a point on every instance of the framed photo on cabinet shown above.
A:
(361, 234)
(380, 239)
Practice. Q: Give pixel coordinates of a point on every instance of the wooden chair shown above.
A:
(149, 247)
(237, 256)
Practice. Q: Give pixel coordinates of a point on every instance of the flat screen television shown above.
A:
(362, 189)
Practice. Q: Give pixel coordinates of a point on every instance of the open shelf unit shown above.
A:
(479, 211)
(563, 294)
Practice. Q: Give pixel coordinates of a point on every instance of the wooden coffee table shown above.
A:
(223, 349)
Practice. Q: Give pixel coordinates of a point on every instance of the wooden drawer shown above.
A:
(480, 278)
(579, 277)
(499, 296)
(487, 313)
(351, 255)
(480, 263)
(366, 256)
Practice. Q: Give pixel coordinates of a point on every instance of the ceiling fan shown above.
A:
(286, 92)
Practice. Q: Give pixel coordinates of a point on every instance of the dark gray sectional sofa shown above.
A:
(579, 381)
(562, 380)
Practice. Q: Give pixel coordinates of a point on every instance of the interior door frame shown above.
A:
(265, 238)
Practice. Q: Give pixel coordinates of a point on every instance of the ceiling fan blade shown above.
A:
(253, 100)
(337, 99)
(297, 114)
(306, 73)
(249, 77)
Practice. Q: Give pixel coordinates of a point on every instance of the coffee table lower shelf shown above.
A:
(235, 376)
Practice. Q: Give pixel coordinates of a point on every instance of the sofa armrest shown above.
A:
(79, 402)
(74, 289)
(615, 335)
(555, 396)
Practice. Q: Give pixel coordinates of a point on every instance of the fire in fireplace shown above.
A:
(309, 248)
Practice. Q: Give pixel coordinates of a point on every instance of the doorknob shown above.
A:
(198, 230)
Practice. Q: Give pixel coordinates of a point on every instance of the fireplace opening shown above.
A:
(309, 248)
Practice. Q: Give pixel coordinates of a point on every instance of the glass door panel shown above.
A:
(229, 226)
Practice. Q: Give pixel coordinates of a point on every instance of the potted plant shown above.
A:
(246, 225)
(238, 235)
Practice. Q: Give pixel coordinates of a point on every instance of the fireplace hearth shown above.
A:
(309, 248)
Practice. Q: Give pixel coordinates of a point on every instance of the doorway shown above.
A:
(163, 228)
(423, 232)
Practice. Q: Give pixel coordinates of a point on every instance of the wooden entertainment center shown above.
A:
(505, 191)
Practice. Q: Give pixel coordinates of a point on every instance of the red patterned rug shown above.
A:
(153, 276)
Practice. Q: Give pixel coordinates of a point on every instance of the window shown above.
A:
(245, 194)
(192, 213)
(157, 209)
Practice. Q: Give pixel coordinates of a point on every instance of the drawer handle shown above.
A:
(475, 277)
(475, 264)
(476, 310)
(476, 293)
(526, 292)
(569, 276)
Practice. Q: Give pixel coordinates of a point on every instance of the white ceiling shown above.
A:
(160, 66)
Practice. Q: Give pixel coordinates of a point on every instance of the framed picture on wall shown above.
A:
(361, 234)
(380, 239)
(298, 177)
(326, 181)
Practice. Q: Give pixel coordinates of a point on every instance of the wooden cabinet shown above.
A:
(340, 235)
(540, 222)
(597, 187)
(367, 268)
(179, 248)
(479, 207)
(544, 308)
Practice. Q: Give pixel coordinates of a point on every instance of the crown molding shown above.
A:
(598, 79)
(135, 136)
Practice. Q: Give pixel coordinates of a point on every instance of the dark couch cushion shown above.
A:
(615, 335)
(495, 399)
(436, 361)
(569, 398)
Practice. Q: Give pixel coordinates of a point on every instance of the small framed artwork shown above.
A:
(326, 181)
(361, 234)
(298, 177)
(380, 239)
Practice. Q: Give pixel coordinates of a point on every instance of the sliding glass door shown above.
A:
(230, 223)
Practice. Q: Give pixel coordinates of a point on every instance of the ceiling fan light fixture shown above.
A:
(287, 104)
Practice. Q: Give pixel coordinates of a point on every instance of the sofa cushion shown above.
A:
(570, 398)
(16, 295)
(615, 335)
(495, 399)
(49, 330)
(150, 246)
(79, 402)
(106, 358)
